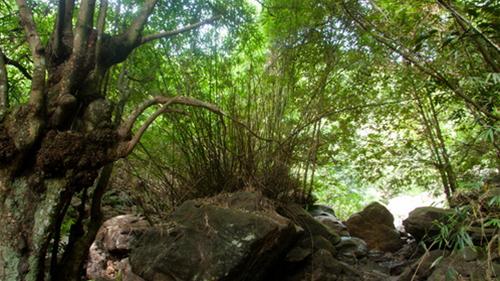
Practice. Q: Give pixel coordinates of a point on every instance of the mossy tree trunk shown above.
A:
(53, 147)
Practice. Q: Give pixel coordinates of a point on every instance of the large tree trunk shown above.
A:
(38, 184)
(53, 147)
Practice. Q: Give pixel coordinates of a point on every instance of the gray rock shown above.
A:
(206, 240)
(321, 210)
(303, 219)
(334, 224)
(352, 247)
(422, 221)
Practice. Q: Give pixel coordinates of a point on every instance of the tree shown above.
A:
(53, 146)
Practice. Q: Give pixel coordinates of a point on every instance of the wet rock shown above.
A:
(375, 225)
(220, 238)
(108, 255)
(422, 221)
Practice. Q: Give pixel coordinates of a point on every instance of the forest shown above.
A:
(249, 140)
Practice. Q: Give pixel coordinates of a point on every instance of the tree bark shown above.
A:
(53, 148)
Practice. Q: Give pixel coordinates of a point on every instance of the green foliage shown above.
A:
(325, 104)
(453, 232)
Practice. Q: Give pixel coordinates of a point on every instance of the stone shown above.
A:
(456, 268)
(375, 225)
(307, 245)
(310, 225)
(334, 224)
(422, 268)
(221, 238)
(108, 254)
(321, 210)
(352, 247)
(422, 221)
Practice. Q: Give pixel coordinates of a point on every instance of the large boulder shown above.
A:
(108, 255)
(229, 237)
(375, 225)
(422, 221)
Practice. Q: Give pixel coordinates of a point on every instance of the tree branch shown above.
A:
(59, 28)
(466, 26)
(101, 22)
(4, 86)
(460, 17)
(170, 33)
(17, 65)
(37, 95)
(133, 33)
(68, 16)
(422, 67)
(126, 128)
(84, 25)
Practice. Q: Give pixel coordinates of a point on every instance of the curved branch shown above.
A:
(17, 65)
(166, 102)
(170, 33)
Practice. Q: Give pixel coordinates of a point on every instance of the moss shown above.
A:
(9, 263)
(59, 152)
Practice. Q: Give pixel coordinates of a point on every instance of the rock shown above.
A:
(375, 225)
(321, 210)
(303, 219)
(108, 254)
(229, 237)
(320, 266)
(456, 268)
(308, 245)
(421, 269)
(352, 247)
(422, 221)
(334, 224)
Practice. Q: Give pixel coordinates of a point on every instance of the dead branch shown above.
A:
(170, 33)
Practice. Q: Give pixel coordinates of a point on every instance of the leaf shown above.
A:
(436, 261)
